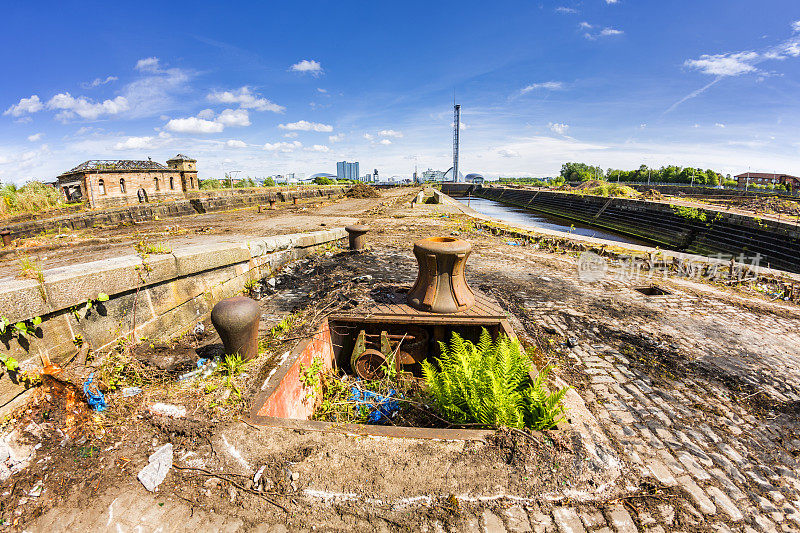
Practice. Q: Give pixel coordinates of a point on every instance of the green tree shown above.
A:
(322, 180)
(269, 182)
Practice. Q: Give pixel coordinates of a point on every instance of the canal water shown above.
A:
(519, 215)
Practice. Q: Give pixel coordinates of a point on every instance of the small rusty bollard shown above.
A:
(236, 321)
(441, 286)
(357, 235)
(272, 203)
(6, 234)
(294, 200)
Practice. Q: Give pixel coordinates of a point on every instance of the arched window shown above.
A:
(122, 186)
(191, 183)
(172, 183)
(101, 186)
(155, 180)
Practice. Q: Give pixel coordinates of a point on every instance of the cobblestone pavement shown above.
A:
(698, 392)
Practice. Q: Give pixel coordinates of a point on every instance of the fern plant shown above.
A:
(489, 384)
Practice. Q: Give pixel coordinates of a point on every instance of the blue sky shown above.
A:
(266, 87)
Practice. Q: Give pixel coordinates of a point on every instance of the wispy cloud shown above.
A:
(97, 82)
(284, 147)
(69, 107)
(547, 85)
(194, 125)
(304, 125)
(566, 10)
(390, 133)
(556, 127)
(35, 137)
(245, 98)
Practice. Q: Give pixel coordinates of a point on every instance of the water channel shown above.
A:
(519, 215)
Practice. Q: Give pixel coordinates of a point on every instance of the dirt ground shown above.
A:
(700, 386)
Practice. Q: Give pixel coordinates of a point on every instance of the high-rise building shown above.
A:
(347, 171)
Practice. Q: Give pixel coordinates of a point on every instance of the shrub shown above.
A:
(489, 384)
(32, 197)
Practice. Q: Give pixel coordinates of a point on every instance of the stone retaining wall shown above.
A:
(197, 202)
(167, 294)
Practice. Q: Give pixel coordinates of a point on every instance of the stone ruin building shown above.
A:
(106, 183)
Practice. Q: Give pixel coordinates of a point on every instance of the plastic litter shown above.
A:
(156, 470)
(512, 243)
(199, 329)
(382, 408)
(127, 392)
(96, 400)
(205, 368)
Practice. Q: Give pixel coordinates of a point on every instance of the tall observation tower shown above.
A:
(456, 128)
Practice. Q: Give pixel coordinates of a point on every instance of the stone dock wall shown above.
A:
(167, 294)
(702, 231)
(196, 202)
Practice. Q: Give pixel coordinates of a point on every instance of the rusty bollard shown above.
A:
(6, 234)
(272, 203)
(357, 236)
(294, 200)
(441, 286)
(236, 321)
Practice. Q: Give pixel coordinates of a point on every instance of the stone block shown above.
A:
(198, 258)
(71, 285)
(23, 299)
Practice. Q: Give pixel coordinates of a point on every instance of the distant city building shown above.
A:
(347, 171)
(103, 183)
(433, 175)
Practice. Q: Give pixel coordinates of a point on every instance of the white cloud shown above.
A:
(207, 114)
(719, 125)
(566, 10)
(148, 64)
(246, 99)
(291, 135)
(194, 125)
(585, 25)
(547, 85)
(368, 137)
(284, 147)
(135, 143)
(97, 82)
(235, 143)
(733, 64)
(35, 137)
(642, 126)
(234, 117)
(796, 26)
(561, 129)
(307, 66)
(304, 125)
(336, 138)
(25, 105)
(610, 31)
(505, 152)
(86, 108)
(320, 148)
(386, 141)
(323, 91)
(612, 1)
(390, 133)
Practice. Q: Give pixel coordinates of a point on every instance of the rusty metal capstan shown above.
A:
(441, 286)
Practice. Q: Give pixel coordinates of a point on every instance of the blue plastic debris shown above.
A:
(381, 408)
(96, 400)
(512, 243)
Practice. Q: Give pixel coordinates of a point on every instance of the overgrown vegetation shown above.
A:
(690, 213)
(488, 384)
(32, 197)
(144, 249)
(664, 174)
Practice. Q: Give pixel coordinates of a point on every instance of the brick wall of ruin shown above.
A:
(133, 182)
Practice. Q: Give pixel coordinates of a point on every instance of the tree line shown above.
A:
(664, 174)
